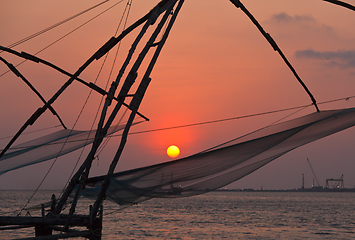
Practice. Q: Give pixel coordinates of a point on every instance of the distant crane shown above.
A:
(339, 182)
(313, 172)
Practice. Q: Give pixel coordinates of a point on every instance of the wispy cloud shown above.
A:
(305, 21)
(340, 58)
(285, 18)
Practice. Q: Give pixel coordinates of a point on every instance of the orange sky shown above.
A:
(214, 65)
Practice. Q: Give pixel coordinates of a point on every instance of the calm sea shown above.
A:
(220, 215)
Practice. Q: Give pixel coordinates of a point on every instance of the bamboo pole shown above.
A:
(137, 99)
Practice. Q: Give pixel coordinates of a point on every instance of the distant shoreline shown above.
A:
(314, 189)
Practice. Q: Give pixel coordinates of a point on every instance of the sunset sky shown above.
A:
(215, 65)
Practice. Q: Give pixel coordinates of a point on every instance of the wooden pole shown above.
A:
(134, 105)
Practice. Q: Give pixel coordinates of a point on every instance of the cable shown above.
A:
(75, 29)
(53, 26)
(18, 74)
(97, 77)
(239, 117)
(273, 44)
(220, 120)
(222, 144)
(102, 51)
(186, 125)
(108, 138)
(50, 168)
(128, 8)
(34, 131)
(213, 121)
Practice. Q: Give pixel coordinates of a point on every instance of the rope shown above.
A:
(75, 29)
(18, 74)
(54, 26)
(96, 79)
(214, 121)
(129, 4)
(34, 131)
(72, 209)
(193, 124)
(45, 176)
(50, 168)
(105, 142)
(222, 144)
(239, 117)
(273, 44)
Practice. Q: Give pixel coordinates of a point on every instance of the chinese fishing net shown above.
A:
(221, 165)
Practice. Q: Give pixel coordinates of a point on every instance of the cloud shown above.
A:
(285, 18)
(304, 21)
(340, 58)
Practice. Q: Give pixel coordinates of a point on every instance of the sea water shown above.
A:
(218, 215)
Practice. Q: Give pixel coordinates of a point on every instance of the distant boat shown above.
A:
(196, 174)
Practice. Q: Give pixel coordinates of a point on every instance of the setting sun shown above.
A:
(173, 151)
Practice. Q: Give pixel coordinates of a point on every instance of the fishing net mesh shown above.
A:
(221, 165)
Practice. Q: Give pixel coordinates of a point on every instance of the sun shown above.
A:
(173, 151)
